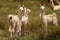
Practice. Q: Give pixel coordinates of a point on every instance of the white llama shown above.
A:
(47, 19)
(24, 20)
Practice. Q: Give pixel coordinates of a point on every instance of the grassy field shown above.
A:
(34, 28)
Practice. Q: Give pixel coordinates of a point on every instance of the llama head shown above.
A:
(42, 6)
(21, 8)
(28, 10)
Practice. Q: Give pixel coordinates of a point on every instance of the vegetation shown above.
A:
(34, 27)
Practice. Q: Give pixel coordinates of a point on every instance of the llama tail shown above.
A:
(9, 17)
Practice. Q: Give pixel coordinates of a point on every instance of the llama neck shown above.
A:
(26, 12)
(19, 14)
(41, 16)
(42, 13)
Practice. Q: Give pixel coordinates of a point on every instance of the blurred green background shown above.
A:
(34, 27)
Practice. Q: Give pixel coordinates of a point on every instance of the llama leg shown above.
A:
(13, 31)
(45, 25)
(14, 36)
(55, 23)
(23, 29)
(10, 34)
(45, 31)
(13, 27)
(10, 31)
(9, 28)
(25, 25)
(19, 29)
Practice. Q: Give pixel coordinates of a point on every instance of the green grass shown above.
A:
(34, 28)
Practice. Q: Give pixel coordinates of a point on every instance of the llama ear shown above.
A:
(44, 4)
(19, 5)
(23, 5)
(40, 4)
